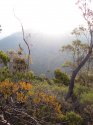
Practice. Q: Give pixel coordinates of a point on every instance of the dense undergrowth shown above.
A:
(43, 100)
(27, 99)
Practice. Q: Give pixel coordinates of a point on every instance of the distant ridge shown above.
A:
(44, 50)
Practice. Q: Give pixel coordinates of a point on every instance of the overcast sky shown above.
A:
(51, 17)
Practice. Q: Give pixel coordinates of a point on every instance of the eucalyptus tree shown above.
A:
(77, 50)
(84, 6)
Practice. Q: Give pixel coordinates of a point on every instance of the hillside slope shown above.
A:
(44, 50)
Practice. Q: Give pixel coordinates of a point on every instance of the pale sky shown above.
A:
(51, 17)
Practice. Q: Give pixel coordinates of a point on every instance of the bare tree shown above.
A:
(88, 16)
(24, 39)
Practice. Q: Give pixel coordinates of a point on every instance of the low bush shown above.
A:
(74, 118)
(70, 118)
(87, 98)
(61, 77)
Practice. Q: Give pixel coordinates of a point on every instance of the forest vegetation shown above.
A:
(64, 99)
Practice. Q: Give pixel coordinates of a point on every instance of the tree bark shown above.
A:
(75, 72)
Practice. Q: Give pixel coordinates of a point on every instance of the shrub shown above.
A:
(45, 106)
(80, 89)
(60, 118)
(61, 77)
(19, 92)
(29, 76)
(85, 78)
(42, 77)
(73, 118)
(47, 99)
(20, 76)
(4, 74)
(87, 98)
(4, 58)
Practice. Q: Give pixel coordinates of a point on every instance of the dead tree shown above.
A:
(88, 16)
(24, 39)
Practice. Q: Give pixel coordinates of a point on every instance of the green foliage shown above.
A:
(90, 78)
(4, 58)
(74, 118)
(41, 87)
(20, 76)
(61, 77)
(87, 97)
(85, 77)
(29, 76)
(42, 77)
(60, 118)
(45, 101)
(4, 74)
(71, 118)
(80, 89)
(15, 77)
(78, 50)
(54, 89)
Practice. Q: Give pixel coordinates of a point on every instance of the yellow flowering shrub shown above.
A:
(48, 100)
(21, 90)
(21, 97)
(25, 86)
(6, 88)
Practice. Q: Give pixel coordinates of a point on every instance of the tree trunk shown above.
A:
(75, 72)
(29, 53)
